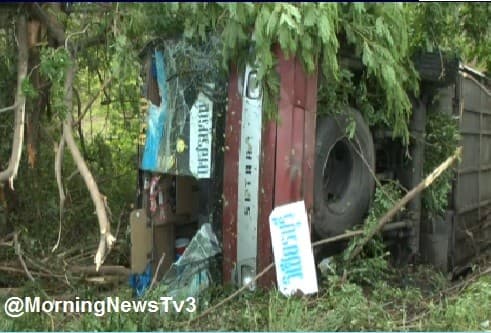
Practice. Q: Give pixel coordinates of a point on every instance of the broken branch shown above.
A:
(408, 197)
(19, 255)
(269, 267)
(346, 235)
(106, 238)
(18, 270)
(157, 271)
(237, 292)
(92, 270)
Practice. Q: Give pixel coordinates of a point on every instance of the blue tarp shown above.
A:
(140, 282)
(156, 118)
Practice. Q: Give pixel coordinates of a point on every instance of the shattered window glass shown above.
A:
(185, 91)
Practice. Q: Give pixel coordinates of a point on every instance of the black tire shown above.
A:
(343, 184)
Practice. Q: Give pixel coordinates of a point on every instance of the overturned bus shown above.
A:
(208, 156)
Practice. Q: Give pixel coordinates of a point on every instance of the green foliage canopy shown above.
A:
(314, 32)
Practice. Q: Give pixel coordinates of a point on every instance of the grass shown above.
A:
(341, 305)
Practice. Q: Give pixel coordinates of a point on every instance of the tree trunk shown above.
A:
(35, 107)
(20, 104)
(106, 238)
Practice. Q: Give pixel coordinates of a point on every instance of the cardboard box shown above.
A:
(187, 195)
(164, 240)
(153, 234)
(141, 241)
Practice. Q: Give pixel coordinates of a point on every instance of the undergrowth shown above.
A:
(365, 294)
(340, 306)
(442, 138)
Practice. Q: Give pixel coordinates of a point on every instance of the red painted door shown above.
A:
(286, 160)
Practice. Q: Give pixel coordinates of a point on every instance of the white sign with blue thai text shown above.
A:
(294, 260)
(200, 137)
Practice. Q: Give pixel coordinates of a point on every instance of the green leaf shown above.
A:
(324, 29)
(350, 129)
(28, 89)
(379, 26)
(272, 24)
(284, 38)
(310, 16)
(367, 57)
(285, 18)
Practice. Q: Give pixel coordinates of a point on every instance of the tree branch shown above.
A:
(107, 239)
(92, 41)
(20, 104)
(233, 295)
(57, 31)
(18, 251)
(92, 100)
(91, 270)
(58, 166)
(80, 129)
(408, 197)
(53, 26)
(8, 108)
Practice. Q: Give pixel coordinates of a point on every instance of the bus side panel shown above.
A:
(472, 193)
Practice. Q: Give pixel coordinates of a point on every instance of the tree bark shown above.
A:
(20, 102)
(79, 128)
(55, 29)
(35, 107)
(109, 270)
